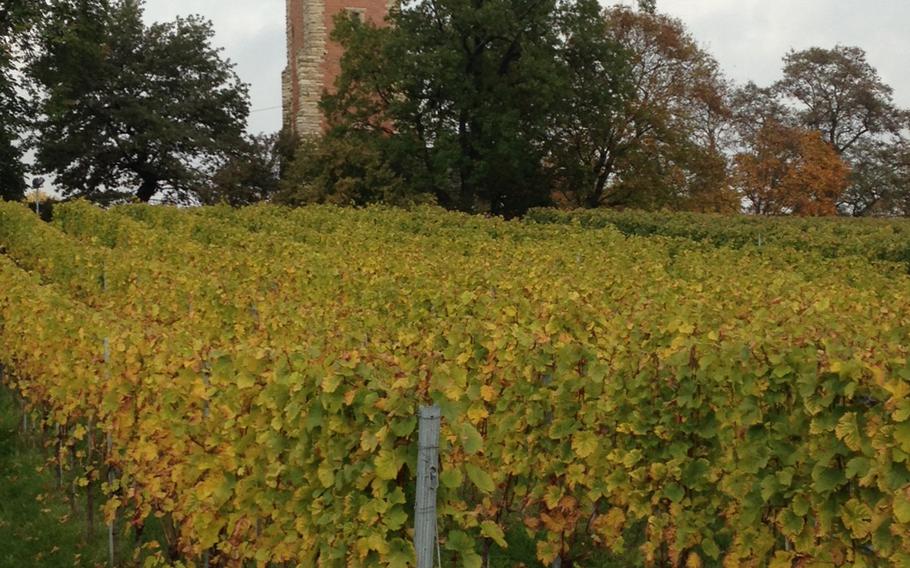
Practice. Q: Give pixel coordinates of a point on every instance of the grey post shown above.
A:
(427, 483)
(109, 444)
(109, 441)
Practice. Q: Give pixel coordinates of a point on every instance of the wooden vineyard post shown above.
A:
(427, 482)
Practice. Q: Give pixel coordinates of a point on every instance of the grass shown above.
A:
(37, 525)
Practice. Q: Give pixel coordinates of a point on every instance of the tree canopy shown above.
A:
(838, 93)
(790, 170)
(488, 106)
(17, 21)
(662, 148)
(463, 100)
(133, 110)
(252, 173)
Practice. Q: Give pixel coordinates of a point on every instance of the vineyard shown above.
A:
(617, 389)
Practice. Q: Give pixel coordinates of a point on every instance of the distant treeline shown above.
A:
(493, 106)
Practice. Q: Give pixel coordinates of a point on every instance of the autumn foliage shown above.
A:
(648, 402)
(791, 171)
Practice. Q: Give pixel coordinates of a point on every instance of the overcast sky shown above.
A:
(748, 37)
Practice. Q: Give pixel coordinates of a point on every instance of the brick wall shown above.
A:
(314, 61)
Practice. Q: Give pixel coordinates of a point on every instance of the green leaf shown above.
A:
(696, 473)
(480, 478)
(459, 541)
(471, 440)
(790, 523)
(858, 467)
(331, 381)
(902, 436)
(902, 507)
(584, 444)
(404, 428)
(562, 428)
(674, 492)
(800, 505)
(785, 477)
(471, 559)
(710, 548)
(387, 465)
(452, 478)
(401, 555)
(782, 559)
(395, 519)
(902, 412)
(857, 517)
(847, 430)
(491, 530)
(769, 487)
(245, 380)
(326, 475)
(827, 479)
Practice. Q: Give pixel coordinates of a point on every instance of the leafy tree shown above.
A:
(12, 170)
(753, 108)
(130, 109)
(662, 147)
(251, 174)
(880, 184)
(837, 93)
(587, 117)
(460, 97)
(17, 22)
(648, 6)
(351, 170)
(840, 94)
(790, 171)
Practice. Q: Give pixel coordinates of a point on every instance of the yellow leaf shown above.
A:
(693, 561)
(326, 475)
(491, 530)
(477, 413)
(584, 443)
(488, 393)
(387, 465)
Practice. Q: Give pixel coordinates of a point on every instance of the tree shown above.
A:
(880, 184)
(12, 170)
(662, 146)
(648, 6)
(838, 93)
(593, 101)
(752, 109)
(459, 97)
(790, 170)
(901, 197)
(349, 170)
(133, 110)
(17, 22)
(251, 174)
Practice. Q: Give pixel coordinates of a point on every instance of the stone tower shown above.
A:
(314, 61)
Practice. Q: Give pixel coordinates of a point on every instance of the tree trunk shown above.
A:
(147, 190)
(466, 194)
(603, 170)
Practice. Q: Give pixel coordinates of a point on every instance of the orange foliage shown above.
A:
(791, 171)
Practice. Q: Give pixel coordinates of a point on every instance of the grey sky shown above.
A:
(748, 37)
